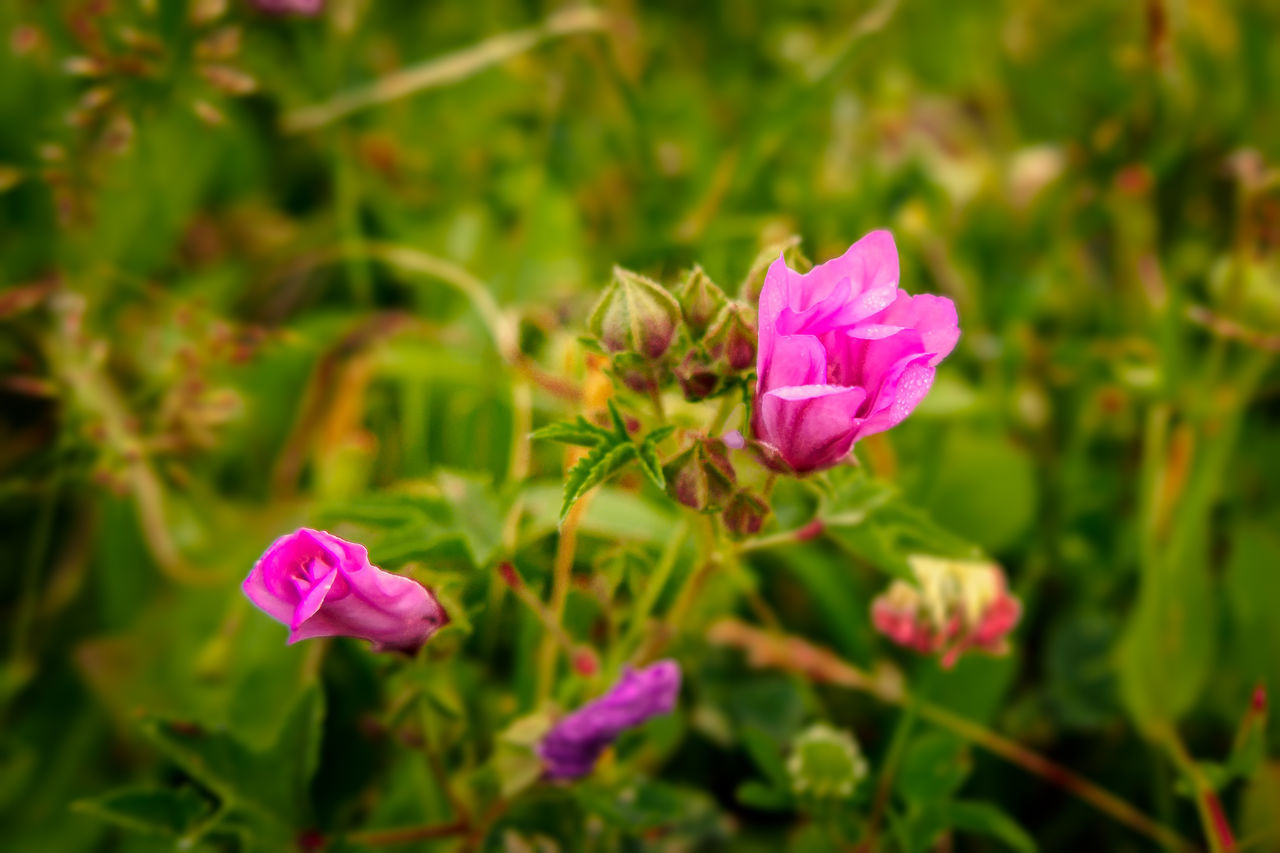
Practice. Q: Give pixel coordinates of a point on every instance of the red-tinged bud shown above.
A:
(732, 337)
(638, 374)
(1259, 702)
(635, 315)
(700, 301)
(510, 575)
(744, 515)
(585, 661)
(697, 376)
(701, 477)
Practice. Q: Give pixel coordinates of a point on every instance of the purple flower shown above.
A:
(843, 353)
(290, 7)
(323, 586)
(574, 744)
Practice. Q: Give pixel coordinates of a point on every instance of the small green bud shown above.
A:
(635, 315)
(825, 763)
(732, 337)
(701, 477)
(754, 281)
(697, 375)
(700, 301)
(744, 515)
(639, 374)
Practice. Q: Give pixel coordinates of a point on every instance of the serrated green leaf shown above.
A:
(169, 812)
(594, 468)
(266, 789)
(619, 424)
(651, 465)
(657, 435)
(580, 432)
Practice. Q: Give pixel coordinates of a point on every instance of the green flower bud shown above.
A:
(732, 337)
(700, 301)
(639, 374)
(701, 476)
(744, 515)
(635, 315)
(825, 763)
(697, 375)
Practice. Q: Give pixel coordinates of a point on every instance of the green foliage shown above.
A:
(217, 326)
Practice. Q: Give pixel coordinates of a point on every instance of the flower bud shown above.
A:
(697, 375)
(635, 315)
(745, 514)
(825, 763)
(638, 374)
(700, 301)
(732, 337)
(700, 477)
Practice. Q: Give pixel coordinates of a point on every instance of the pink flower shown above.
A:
(574, 744)
(290, 7)
(955, 607)
(323, 586)
(843, 353)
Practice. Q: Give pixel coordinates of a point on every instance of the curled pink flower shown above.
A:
(954, 607)
(574, 744)
(843, 353)
(323, 586)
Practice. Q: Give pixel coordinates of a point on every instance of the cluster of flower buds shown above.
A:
(953, 607)
(720, 335)
(697, 336)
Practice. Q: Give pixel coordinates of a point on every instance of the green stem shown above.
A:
(562, 576)
(728, 404)
(1213, 822)
(442, 70)
(1071, 782)
(653, 588)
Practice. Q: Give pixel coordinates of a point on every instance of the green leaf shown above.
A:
(580, 432)
(594, 468)
(658, 435)
(986, 819)
(266, 790)
(650, 464)
(766, 755)
(934, 766)
(619, 423)
(164, 811)
(638, 807)
(758, 795)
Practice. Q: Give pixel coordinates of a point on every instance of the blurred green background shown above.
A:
(205, 342)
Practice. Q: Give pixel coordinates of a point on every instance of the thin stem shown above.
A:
(785, 537)
(406, 835)
(657, 582)
(1071, 782)
(442, 70)
(728, 404)
(562, 576)
(436, 765)
(888, 770)
(770, 650)
(1213, 820)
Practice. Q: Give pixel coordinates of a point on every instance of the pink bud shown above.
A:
(323, 586)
